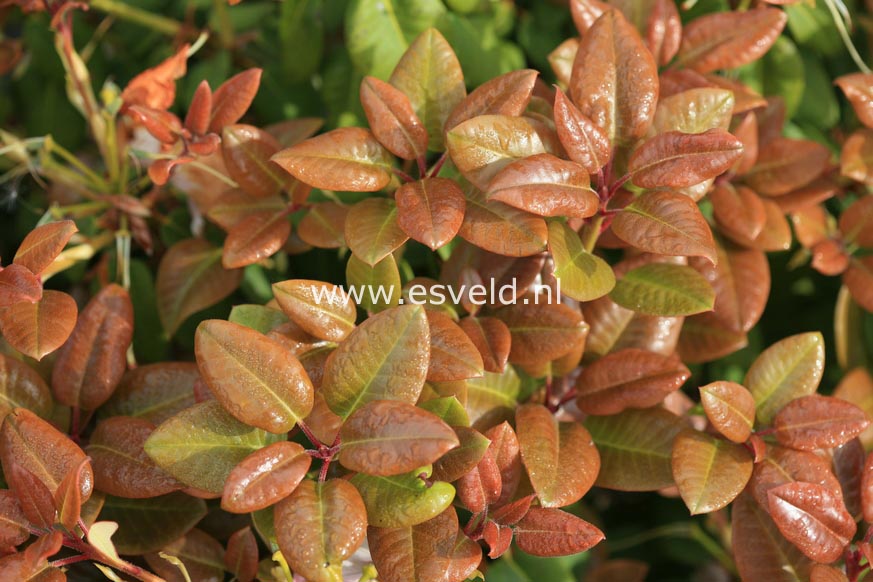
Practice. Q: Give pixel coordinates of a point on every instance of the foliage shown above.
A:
(583, 291)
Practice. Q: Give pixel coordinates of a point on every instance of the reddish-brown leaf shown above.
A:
(498, 537)
(585, 12)
(738, 210)
(392, 119)
(546, 186)
(508, 94)
(730, 408)
(480, 487)
(585, 142)
(324, 225)
(665, 223)
(156, 87)
(560, 457)
(319, 526)
(241, 556)
(663, 31)
(857, 387)
(858, 88)
(37, 329)
(561, 59)
(265, 477)
(200, 110)
(867, 489)
(492, 338)
(615, 79)
(13, 522)
(41, 245)
(372, 230)
(37, 502)
(848, 466)
(507, 453)
(430, 210)
(91, 363)
(787, 164)
(255, 238)
(726, 40)
(818, 422)
(163, 125)
(68, 497)
(154, 392)
(813, 518)
(858, 278)
(233, 98)
(22, 387)
(676, 160)
(552, 532)
(17, 284)
(453, 356)
(389, 437)
(348, 158)
(247, 151)
(856, 222)
(542, 332)
(782, 465)
(709, 471)
(820, 572)
(502, 229)
(323, 310)
(628, 378)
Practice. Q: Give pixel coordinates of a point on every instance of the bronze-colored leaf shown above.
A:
(17, 284)
(822, 573)
(738, 209)
(43, 244)
(676, 160)
(348, 158)
(265, 477)
(856, 222)
(233, 98)
(560, 457)
(480, 487)
(492, 338)
(507, 94)
(241, 556)
(392, 119)
(628, 378)
(730, 408)
(787, 164)
(22, 387)
(320, 309)
(542, 332)
(453, 356)
(154, 392)
(502, 229)
(858, 88)
(857, 387)
(552, 532)
(319, 526)
(585, 142)
(324, 225)
(236, 205)
(255, 238)
(38, 329)
(858, 279)
(247, 151)
(561, 60)
(818, 422)
(68, 497)
(13, 522)
(430, 210)
(372, 231)
(782, 465)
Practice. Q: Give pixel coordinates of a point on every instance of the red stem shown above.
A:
(438, 165)
(310, 435)
(403, 175)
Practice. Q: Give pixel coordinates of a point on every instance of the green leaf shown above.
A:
(378, 32)
(202, 444)
(664, 289)
(301, 33)
(493, 395)
(788, 369)
(257, 317)
(582, 275)
(403, 500)
(819, 104)
(147, 525)
(383, 279)
(635, 448)
(384, 358)
(449, 409)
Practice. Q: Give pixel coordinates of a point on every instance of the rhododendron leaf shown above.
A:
(201, 445)
(22, 387)
(664, 289)
(430, 75)
(383, 279)
(694, 111)
(372, 231)
(542, 332)
(265, 477)
(502, 229)
(241, 556)
(787, 164)
(324, 225)
(154, 392)
(236, 205)
(17, 284)
(675, 160)
(508, 94)
(822, 573)
(788, 369)
(582, 275)
(665, 223)
(348, 158)
(191, 278)
(403, 500)
(858, 88)
(156, 87)
(858, 279)
(730, 408)
(709, 472)
(635, 448)
(813, 518)
(857, 387)
(233, 98)
(463, 458)
(628, 378)
(37, 502)
(561, 59)
(13, 522)
(452, 353)
(384, 358)
(492, 338)
(320, 309)
(392, 119)
(200, 110)
(200, 554)
(560, 457)
(585, 142)
(430, 210)
(615, 79)
(818, 422)
(254, 377)
(90, 364)
(480, 487)
(37, 329)
(552, 532)
(68, 497)
(389, 437)
(738, 209)
(856, 222)
(726, 40)
(121, 466)
(247, 151)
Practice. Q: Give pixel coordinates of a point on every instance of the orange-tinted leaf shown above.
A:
(709, 472)
(247, 151)
(542, 332)
(37, 329)
(856, 156)
(91, 363)
(121, 466)
(502, 229)
(349, 158)
(17, 284)
(618, 569)
(857, 387)
(453, 356)
(867, 489)
(561, 60)
(498, 537)
(782, 465)
(818, 422)
(233, 98)
(457, 462)
(552, 532)
(430, 75)
(254, 377)
(324, 225)
(41, 245)
(154, 392)
(320, 309)
(546, 186)
(430, 210)
(265, 477)
(615, 79)
(480, 487)
(236, 205)
(507, 453)
(492, 338)
(191, 278)
(676, 160)
(813, 518)
(585, 142)
(200, 110)
(372, 230)
(726, 40)
(198, 552)
(37, 502)
(628, 378)
(22, 387)
(389, 437)
(858, 278)
(586, 12)
(730, 408)
(241, 556)
(482, 146)
(822, 573)
(163, 125)
(856, 222)
(786, 164)
(858, 88)
(255, 238)
(738, 210)
(13, 522)
(560, 457)
(508, 94)
(156, 87)
(319, 526)
(392, 119)
(31, 443)
(666, 223)
(68, 497)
